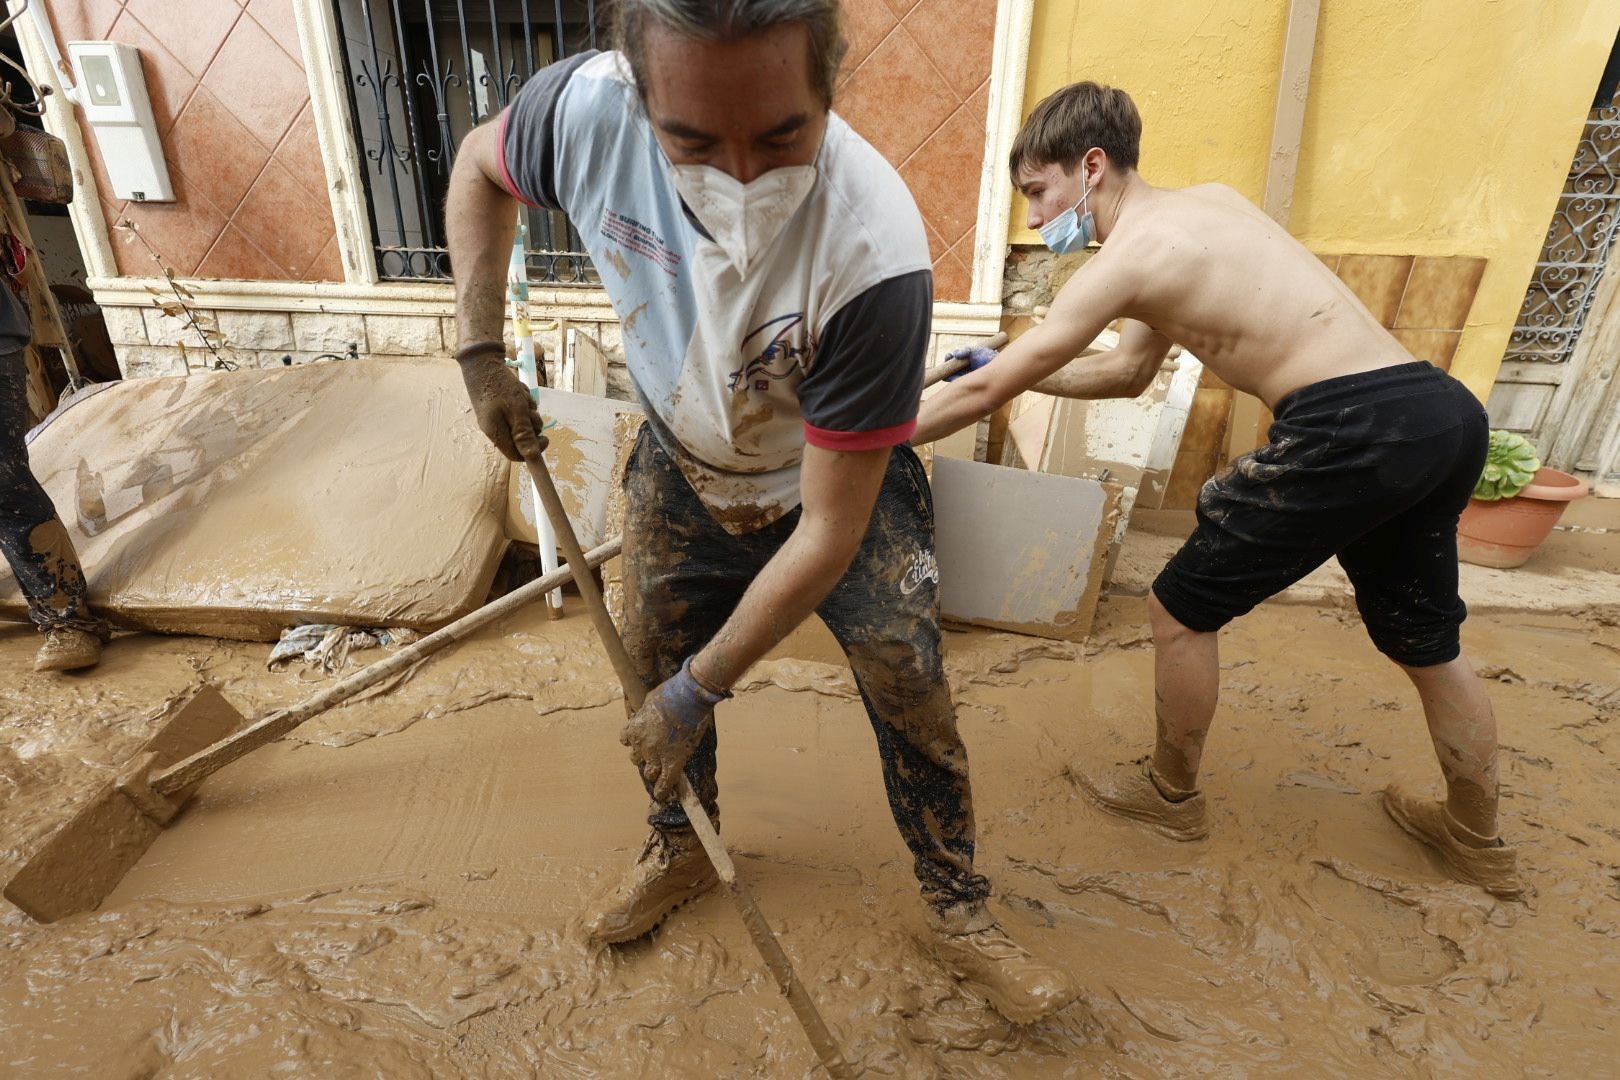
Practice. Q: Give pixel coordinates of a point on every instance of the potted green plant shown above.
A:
(1515, 505)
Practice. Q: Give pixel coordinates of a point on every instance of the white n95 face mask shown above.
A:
(744, 219)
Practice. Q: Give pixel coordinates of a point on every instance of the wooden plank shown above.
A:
(1250, 417)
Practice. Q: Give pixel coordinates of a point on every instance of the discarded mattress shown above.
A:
(236, 503)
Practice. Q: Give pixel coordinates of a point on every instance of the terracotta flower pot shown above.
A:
(1506, 532)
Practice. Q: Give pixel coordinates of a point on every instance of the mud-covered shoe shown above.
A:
(1494, 868)
(987, 961)
(67, 649)
(1128, 790)
(671, 870)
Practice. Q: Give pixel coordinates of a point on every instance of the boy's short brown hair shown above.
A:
(1070, 121)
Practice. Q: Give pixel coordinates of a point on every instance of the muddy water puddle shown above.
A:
(396, 889)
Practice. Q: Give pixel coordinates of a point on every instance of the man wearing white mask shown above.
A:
(773, 280)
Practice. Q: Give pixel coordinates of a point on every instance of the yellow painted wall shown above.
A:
(1433, 127)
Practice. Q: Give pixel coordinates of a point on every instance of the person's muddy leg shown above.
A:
(1186, 684)
(683, 575)
(885, 615)
(1463, 727)
(32, 537)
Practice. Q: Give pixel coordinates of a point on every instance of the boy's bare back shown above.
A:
(1209, 271)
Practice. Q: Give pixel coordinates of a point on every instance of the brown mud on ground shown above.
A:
(395, 890)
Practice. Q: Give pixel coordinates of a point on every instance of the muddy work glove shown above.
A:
(667, 728)
(501, 403)
(976, 356)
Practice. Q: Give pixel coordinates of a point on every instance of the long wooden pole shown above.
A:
(182, 774)
(770, 949)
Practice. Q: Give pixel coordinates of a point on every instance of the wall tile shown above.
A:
(214, 150)
(958, 36)
(277, 215)
(275, 17)
(1329, 261)
(1187, 476)
(1440, 293)
(1379, 280)
(866, 23)
(125, 325)
(181, 232)
(1206, 421)
(256, 329)
(1438, 347)
(328, 265)
(952, 279)
(83, 20)
(943, 175)
(192, 32)
(403, 335)
(234, 256)
(897, 71)
(899, 7)
(321, 332)
(168, 83)
(148, 361)
(258, 82)
(300, 151)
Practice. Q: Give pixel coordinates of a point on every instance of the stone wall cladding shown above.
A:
(152, 343)
(1034, 275)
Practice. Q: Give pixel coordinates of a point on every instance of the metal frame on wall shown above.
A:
(420, 74)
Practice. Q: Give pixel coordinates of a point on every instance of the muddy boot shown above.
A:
(1131, 790)
(1494, 867)
(67, 649)
(981, 955)
(671, 871)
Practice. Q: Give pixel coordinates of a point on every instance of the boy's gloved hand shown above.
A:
(976, 355)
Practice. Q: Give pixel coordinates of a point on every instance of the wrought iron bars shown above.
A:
(420, 75)
(1577, 247)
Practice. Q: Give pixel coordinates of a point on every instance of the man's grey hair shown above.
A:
(732, 20)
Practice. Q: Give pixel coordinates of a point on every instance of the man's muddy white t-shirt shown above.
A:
(823, 342)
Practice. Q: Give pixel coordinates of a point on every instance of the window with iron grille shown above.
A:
(420, 74)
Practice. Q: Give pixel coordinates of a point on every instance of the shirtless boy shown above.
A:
(1371, 458)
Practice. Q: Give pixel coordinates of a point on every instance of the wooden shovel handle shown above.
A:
(951, 367)
(781, 968)
(182, 774)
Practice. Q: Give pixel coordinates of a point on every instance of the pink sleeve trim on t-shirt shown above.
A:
(500, 156)
(859, 440)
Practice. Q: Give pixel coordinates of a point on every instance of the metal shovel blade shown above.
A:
(89, 855)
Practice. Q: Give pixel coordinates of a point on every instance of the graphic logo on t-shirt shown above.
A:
(788, 351)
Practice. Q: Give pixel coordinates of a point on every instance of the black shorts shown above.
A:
(1374, 468)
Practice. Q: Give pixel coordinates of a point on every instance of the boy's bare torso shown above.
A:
(1211, 272)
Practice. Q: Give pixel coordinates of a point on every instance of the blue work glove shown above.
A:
(976, 355)
(667, 728)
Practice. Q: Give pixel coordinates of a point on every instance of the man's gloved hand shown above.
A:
(976, 355)
(501, 403)
(667, 728)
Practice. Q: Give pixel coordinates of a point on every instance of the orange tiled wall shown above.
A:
(1422, 300)
(232, 106)
(916, 85)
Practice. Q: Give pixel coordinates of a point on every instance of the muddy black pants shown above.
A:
(684, 574)
(32, 537)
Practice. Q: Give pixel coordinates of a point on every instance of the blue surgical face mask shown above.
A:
(1071, 230)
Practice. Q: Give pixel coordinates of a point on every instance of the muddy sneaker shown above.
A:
(1129, 791)
(1494, 869)
(986, 960)
(67, 649)
(671, 871)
